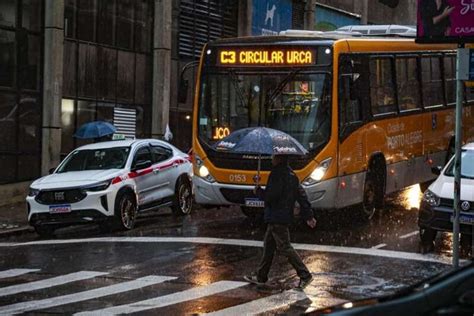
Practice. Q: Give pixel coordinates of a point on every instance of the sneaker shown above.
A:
(305, 282)
(253, 279)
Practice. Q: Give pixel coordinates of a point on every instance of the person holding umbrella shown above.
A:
(282, 191)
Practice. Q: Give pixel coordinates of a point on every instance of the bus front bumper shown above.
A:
(321, 195)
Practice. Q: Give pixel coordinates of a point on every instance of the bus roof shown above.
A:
(353, 42)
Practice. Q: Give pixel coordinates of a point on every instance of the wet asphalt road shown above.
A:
(201, 272)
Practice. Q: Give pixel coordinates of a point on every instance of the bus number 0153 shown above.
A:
(237, 178)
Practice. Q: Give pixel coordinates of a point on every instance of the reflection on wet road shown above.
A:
(195, 264)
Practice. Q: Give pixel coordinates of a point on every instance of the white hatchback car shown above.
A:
(109, 183)
(436, 209)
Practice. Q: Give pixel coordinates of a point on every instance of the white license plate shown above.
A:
(254, 203)
(64, 208)
(465, 219)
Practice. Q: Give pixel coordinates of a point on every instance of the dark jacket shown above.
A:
(282, 191)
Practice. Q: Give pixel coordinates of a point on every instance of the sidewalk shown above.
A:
(13, 219)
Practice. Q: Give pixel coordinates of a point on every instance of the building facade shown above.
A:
(67, 62)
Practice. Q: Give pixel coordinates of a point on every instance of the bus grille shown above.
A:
(237, 196)
(241, 163)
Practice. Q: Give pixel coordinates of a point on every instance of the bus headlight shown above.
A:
(318, 173)
(430, 198)
(203, 171)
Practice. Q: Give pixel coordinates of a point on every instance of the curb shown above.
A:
(16, 231)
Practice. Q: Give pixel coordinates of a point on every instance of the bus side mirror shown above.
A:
(436, 170)
(353, 86)
(183, 90)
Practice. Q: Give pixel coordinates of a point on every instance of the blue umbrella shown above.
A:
(95, 129)
(260, 141)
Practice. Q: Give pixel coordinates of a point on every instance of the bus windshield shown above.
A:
(294, 102)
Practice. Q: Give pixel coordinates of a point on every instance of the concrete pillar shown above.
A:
(309, 17)
(245, 18)
(52, 84)
(161, 68)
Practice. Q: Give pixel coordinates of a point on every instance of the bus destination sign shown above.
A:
(265, 57)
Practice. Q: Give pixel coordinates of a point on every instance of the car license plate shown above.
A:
(465, 219)
(254, 203)
(64, 208)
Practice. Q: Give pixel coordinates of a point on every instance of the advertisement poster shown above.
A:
(271, 16)
(445, 21)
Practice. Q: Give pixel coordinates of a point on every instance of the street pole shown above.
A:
(457, 158)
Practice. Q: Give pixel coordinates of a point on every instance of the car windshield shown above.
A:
(467, 165)
(95, 159)
(294, 102)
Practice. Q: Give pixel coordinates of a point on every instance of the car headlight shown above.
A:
(318, 173)
(203, 171)
(101, 186)
(430, 198)
(33, 192)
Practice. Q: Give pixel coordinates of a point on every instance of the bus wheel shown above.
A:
(367, 209)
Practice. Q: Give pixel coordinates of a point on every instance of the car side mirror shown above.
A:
(141, 165)
(52, 170)
(436, 170)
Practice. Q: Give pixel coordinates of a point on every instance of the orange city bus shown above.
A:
(374, 113)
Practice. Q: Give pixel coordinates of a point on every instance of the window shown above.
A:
(350, 108)
(407, 84)
(143, 25)
(8, 12)
(70, 19)
(29, 52)
(106, 22)
(450, 78)
(21, 24)
(161, 153)
(382, 88)
(86, 17)
(143, 154)
(68, 125)
(29, 121)
(69, 68)
(7, 58)
(8, 122)
(31, 18)
(431, 81)
(87, 71)
(125, 23)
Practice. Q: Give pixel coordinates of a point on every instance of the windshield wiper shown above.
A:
(271, 98)
(235, 83)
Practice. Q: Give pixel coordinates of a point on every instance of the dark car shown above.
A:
(450, 293)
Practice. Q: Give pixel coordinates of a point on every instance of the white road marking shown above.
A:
(83, 296)
(379, 246)
(169, 299)
(246, 243)
(15, 272)
(263, 305)
(409, 235)
(42, 284)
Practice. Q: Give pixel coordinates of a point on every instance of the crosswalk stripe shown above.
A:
(263, 305)
(42, 284)
(84, 296)
(15, 272)
(170, 299)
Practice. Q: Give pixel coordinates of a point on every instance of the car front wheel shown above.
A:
(183, 200)
(125, 211)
